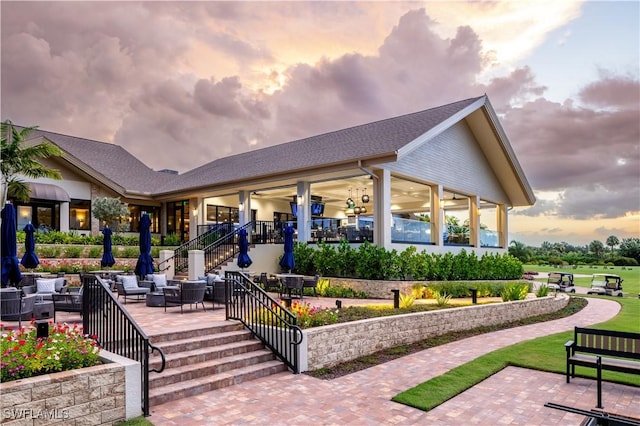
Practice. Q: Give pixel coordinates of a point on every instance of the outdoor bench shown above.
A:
(603, 350)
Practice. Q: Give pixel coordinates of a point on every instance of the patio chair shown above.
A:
(292, 285)
(67, 302)
(127, 286)
(188, 293)
(16, 308)
(311, 283)
(45, 287)
(269, 284)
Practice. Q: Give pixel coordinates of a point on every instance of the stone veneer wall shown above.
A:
(98, 395)
(375, 289)
(332, 344)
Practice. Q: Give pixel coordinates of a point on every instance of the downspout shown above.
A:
(367, 171)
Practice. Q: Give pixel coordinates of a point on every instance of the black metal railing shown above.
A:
(117, 332)
(269, 321)
(181, 254)
(223, 249)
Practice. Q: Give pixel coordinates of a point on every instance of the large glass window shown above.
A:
(222, 214)
(80, 215)
(136, 211)
(44, 215)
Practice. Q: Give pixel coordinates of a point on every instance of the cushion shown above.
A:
(214, 278)
(60, 282)
(160, 280)
(129, 281)
(46, 286)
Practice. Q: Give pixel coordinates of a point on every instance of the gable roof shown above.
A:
(111, 164)
(380, 139)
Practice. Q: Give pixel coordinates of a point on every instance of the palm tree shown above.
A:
(612, 241)
(18, 161)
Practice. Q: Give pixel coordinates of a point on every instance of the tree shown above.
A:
(519, 251)
(612, 241)
(597, 248)
(110, 211)
(630, 247)
(18, 161)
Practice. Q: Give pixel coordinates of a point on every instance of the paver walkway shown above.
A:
(513, 396)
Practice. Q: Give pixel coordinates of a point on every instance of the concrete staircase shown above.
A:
(206, 359)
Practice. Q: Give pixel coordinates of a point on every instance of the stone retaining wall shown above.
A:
(98, 395)
(330, 345)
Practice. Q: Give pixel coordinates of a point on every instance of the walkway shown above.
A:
(513, 396)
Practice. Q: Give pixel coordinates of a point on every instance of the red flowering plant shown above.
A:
(24, 355)
(313, 316)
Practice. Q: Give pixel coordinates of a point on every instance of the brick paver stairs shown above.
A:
(206, 359)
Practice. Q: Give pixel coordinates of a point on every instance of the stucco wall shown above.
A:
(330, 345)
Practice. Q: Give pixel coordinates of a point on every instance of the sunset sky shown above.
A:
(181, 84)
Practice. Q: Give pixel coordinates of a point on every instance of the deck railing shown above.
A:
(117, 331)
(269, 321)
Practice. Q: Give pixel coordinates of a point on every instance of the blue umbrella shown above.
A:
(287, 262)
(144, 266)
(30, 258)
(244, 261)
(10, 265)
(107, 256)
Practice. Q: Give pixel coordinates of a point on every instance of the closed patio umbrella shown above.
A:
(107, 254)
(244, 261)
(287, 262)
(10, 265)
(30, 258)
(144, 266)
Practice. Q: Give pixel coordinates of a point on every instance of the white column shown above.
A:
(64, 216)
(437, 214)
(244, 207)
(474, 221)
(196, 264)
(503, 226)
(304, 211)
(382, 208)
(195, 204)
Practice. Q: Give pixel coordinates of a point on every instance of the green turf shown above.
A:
(545, 353)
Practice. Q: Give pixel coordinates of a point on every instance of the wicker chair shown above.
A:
(269, 284)
(67, 302)
(127, 286)
(16, 308)
(291, 285)
(311, 283)
(189, 293)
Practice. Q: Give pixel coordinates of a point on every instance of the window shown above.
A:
(222, 214)
(135, 212)
(80, 215)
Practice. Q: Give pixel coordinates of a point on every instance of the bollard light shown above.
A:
(42, 329)
(339, 304)
(396, 299)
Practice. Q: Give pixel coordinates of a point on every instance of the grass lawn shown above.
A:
(544, 353)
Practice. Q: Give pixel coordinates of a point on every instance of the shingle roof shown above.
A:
(377, 139)
(110, 160)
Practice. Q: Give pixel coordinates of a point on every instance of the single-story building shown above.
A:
(441, 179)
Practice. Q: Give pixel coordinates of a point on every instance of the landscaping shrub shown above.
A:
(542, 291)
(73, 252)
(406, 300)
(442, 298)
(50, 252)
(129, 252)
(95, 252)
(514, 291)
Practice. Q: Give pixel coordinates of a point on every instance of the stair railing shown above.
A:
(268, 320)
(224, 248)
(105, 317)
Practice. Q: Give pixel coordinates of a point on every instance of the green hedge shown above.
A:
(376, 263)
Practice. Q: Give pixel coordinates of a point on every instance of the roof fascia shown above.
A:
(510, 154)
(439, 128)
(82, 167)
(336, 170)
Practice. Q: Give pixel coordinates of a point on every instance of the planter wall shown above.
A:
(377, 289)
(333, 344)
(105, 394)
